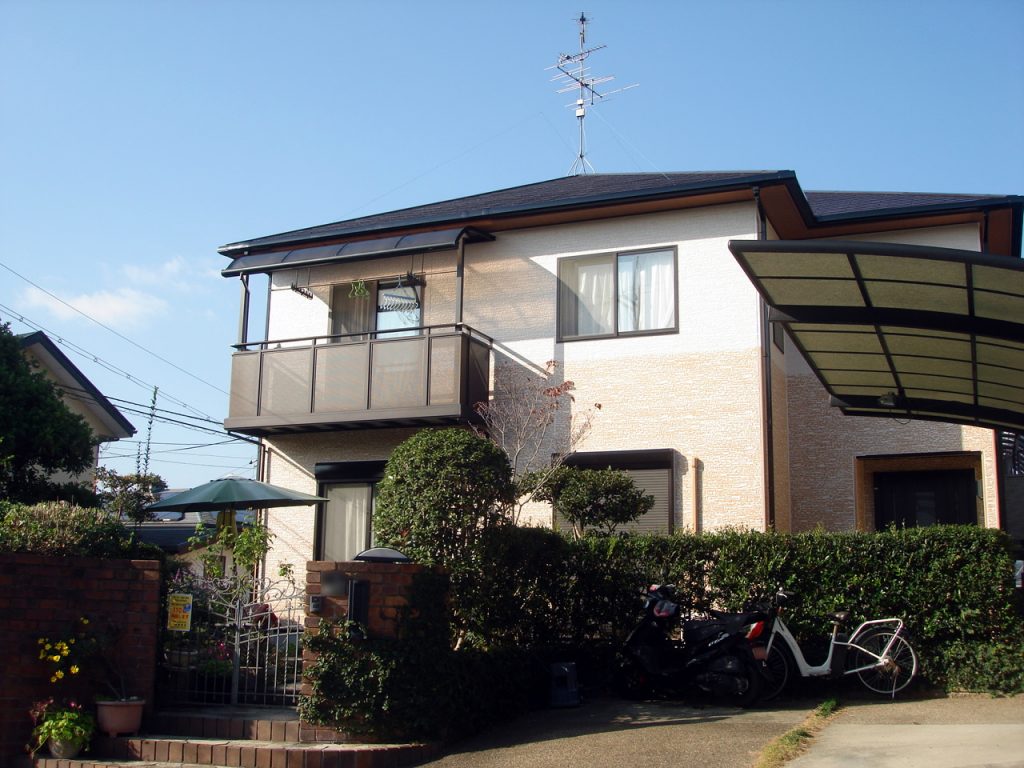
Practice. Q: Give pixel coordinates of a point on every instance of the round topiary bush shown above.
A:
(441, 489)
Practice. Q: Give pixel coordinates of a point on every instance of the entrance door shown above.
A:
(941, 497)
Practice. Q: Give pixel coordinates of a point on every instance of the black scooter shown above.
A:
(714, 656)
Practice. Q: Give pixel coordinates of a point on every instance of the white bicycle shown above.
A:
(877, 652)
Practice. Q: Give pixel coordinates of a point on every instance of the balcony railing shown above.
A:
(359, 380)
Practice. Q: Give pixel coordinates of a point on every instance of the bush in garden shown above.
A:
(597, 499)
(441, 490)
(61, 529)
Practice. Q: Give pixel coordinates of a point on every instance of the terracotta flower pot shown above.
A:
(117, 717)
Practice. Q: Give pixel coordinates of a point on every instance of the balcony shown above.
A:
(358, 382)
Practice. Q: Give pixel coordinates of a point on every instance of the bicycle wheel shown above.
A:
(775, 669)
(888, 674)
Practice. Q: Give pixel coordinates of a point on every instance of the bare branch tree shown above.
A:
(531, 417)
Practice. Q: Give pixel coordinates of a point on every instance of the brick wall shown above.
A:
(44, 597)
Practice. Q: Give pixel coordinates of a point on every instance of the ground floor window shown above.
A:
(347, 521)
(918, 490)
(652, 471)
(344, 526)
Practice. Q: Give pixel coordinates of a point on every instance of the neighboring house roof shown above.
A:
(173, 535)
(588, 191)
(107, 422)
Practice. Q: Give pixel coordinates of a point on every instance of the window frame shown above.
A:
(613, 256)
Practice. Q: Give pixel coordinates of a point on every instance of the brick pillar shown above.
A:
(389, 585)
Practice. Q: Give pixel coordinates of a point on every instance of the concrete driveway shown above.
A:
(612, 732)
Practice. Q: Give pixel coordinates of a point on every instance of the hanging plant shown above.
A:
(358, 290)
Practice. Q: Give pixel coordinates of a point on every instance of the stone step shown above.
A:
(157, 752)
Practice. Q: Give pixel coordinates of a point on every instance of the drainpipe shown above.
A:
(243, 318)
(766, 384)
(460, 268)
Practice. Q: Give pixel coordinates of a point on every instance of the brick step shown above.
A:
(283, 725)
(157, 752)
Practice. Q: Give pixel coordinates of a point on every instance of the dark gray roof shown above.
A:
(587, 190)
(828, 204)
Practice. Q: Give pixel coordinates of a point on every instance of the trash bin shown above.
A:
(565, 691)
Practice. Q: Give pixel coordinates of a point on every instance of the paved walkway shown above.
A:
(956, 732)
(612, 732)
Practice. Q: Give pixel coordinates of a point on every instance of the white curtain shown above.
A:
(646, 291)
(346, 530)
(594, 291)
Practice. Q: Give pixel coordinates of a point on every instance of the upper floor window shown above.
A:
(388, 307)
(617, 293)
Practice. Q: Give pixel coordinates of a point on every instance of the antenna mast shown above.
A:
(573, 75)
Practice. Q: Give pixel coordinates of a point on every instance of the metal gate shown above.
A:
(244, 645)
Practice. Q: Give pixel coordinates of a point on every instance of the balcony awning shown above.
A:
(422, 242)
(900, 331)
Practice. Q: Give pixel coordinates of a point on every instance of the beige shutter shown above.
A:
(656, 483)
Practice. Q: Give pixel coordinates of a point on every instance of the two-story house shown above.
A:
(383, 325)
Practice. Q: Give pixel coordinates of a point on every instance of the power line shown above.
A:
(82, 352)
(116, 333)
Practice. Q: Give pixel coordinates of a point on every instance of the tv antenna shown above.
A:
(574, 75)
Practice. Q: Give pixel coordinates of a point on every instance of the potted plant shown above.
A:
(65, 730)
(118, 670)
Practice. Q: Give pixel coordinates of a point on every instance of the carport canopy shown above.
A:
(900, 331)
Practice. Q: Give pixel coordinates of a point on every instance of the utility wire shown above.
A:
(95, 358)
(116, 333)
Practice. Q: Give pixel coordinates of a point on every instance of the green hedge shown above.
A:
(951, 584)
(528, 596)
(60, 529)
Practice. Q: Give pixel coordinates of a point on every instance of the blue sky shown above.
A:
(138, 136)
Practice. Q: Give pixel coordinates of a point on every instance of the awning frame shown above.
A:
(982, 318)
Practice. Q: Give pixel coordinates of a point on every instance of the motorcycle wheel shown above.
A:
(630, 681)
(775, 670)
(751, 683)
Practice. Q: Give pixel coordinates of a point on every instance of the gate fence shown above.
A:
(244, 645)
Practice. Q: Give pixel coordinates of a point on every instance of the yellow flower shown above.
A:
(72, 641)
(41, 640)
(64, 652)
(74, 669)
(84, 620)
(59, 674)
(47, 647)
(53, 679)
(55, 658)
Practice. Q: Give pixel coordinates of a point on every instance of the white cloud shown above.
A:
(122, 308)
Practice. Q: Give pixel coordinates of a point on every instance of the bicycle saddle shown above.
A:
(840, 617)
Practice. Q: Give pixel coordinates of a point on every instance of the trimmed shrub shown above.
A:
(441, 489)
(60, 529)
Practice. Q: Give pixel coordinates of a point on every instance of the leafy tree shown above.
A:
(127, 496)
(594, 498)
(441, 489)
(530, 418)
(39, 436)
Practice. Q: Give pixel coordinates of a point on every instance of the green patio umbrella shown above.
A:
(231, 494)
